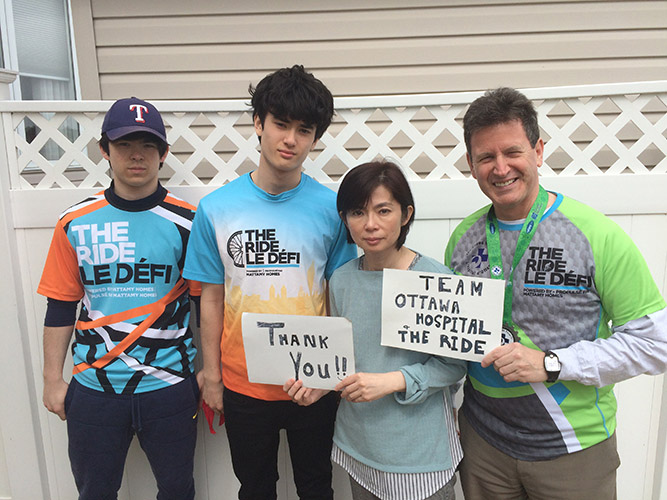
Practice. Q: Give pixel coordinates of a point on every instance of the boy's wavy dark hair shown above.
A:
(293, 94)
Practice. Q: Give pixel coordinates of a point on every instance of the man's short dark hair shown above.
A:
(293, 94)
(358, 185)
(501, 105)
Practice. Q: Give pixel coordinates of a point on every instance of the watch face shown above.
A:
(551, 363)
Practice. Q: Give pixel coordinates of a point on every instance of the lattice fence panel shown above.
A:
(588, 130)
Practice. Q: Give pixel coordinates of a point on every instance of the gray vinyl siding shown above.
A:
(208, 49)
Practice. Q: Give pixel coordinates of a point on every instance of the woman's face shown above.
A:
(376, 227)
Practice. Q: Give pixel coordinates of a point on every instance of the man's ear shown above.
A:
(105, 155)
(472, 169)
(258, 126)
(539, 151)
(164, 156)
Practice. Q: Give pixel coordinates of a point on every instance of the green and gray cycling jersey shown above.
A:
(583, 290)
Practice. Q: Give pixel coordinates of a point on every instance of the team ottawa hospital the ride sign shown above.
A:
(316, 349)
(443, 314)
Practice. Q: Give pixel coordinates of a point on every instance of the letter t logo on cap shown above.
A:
(140, 109)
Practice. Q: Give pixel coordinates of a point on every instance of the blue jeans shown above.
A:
(100, 428)
(253, 430)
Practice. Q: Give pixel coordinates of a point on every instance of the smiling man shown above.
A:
(581, 312)
(121, 253)
(267, 242)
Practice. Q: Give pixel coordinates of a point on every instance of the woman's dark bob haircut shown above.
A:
(359, 184)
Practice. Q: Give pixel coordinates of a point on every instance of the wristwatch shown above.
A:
(552, 366)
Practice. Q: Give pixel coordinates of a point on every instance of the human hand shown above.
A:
(53, 397)
(303, 396)
(364, 387)
(210, 392)
(517, 363)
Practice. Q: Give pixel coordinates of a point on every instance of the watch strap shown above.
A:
(552, 375)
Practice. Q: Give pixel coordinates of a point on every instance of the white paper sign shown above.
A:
(444, 314)
(316, 349)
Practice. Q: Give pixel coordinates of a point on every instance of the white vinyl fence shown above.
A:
(606, 145)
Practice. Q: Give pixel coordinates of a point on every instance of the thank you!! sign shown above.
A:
(316, 349)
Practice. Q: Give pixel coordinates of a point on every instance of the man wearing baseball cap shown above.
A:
(121, 253)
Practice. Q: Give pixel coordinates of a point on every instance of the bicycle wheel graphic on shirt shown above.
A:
(235, 248)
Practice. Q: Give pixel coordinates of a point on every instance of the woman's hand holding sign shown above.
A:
(364, 387)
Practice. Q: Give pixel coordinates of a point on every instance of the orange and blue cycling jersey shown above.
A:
(273, 253)
(123, 259)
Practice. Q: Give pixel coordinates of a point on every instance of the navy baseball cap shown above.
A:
(126, 116)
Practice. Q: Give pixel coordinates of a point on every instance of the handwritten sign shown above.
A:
(316, 349)
(443, 314)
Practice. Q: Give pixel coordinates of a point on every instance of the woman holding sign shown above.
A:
(394, 432)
